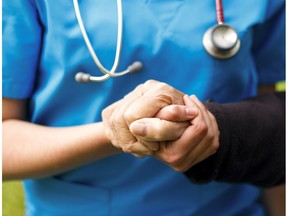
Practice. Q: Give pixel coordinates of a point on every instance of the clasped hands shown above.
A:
(157, 120)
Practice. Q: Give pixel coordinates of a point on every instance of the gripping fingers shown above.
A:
(154, 129)
(138, 150)
(180, 154)
(199, 141)
(177, 113)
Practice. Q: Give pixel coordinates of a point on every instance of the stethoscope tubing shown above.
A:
(211, 41)
(112, 72)
(219, 12)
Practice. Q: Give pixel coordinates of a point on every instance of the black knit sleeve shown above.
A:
(252, 143)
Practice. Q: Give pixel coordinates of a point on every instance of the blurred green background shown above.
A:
(12, 199)
(12, 192)
(281, 86)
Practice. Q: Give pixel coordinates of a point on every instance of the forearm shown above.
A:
(252, 143)
(33, 151)
(274, 200)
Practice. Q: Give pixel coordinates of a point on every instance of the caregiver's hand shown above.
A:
(144, 102)
(199, 140)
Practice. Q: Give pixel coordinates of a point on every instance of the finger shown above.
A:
(138, 148)
(198, 102)
(188, 101)
(206, 147)
(175, 152)
(177, 113)
(190, 147)
(152, 101)
(154, 129)
(138, 155)
(118, 125)
(209, 117)
(152, 145)
(213, 123)
(203, 116)
(106, 113)
(202, 108)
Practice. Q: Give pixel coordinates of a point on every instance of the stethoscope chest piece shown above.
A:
(221, 41)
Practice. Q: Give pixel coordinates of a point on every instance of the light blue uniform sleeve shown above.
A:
(269, 45)
(21, 47)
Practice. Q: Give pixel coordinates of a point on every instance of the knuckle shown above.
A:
(162, 86)
(215, 146)
(139, 87)
(165, 88)
(129, 115)
(104, 113)
(203, 107)
(156, 85)
(212, 117)
(210, 137)
(149, 83)
(127, 96)
(111, 123)
(139, 90)
(127, 148)
(202, 128)
(174, 111)
(174, 160)
(164, 99)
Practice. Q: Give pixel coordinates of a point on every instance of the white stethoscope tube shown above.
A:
(221, 41)
(83, 77)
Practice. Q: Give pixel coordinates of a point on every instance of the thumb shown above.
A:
(155, 129)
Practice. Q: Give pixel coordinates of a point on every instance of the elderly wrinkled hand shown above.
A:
(199, 140)
(144, 102)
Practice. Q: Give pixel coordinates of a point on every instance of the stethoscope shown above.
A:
(220, 41)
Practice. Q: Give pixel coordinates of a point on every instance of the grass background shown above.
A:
(12, 192)
(12, 199)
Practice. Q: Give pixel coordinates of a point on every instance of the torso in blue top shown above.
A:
(167, 37)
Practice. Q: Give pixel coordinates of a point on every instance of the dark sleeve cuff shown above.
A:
(252, 143)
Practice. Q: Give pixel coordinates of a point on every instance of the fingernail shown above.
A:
(193, 96)
(191, 111)
(150, 153)
(138, 155)
(139, 129)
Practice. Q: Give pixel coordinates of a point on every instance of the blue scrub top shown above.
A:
(43, 49)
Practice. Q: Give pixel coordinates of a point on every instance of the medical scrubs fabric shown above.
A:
(43, 49)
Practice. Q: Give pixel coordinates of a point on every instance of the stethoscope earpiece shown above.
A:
(85, 77)
(221, 41)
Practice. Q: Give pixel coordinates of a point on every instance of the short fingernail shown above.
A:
(138, 155)
(150, 153)
(139, 129)
(191, 111)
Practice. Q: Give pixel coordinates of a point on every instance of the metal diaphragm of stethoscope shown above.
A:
(221, 41)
